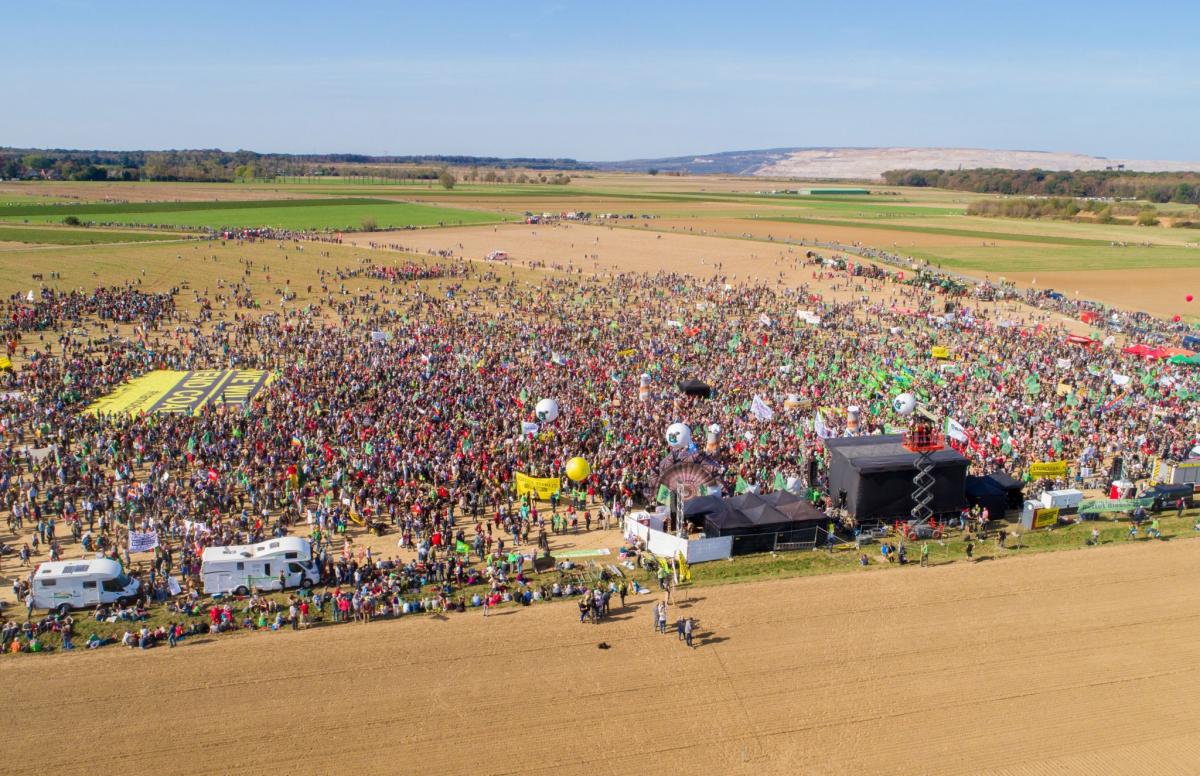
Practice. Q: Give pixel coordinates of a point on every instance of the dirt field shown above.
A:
(608, 249)
(1157, 291)
(1079, 662)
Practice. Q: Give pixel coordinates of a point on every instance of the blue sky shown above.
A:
(601, 80)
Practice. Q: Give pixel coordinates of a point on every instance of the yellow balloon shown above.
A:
(578, 469)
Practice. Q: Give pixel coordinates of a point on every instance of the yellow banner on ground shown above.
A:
(1048, 469)
(940, 351)
(1045, 517)
(543, 487)
(183, 393)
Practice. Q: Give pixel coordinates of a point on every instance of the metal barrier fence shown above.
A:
(811, 538)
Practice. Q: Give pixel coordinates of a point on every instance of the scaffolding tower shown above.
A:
(922, 439)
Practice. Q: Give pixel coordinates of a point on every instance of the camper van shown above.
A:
(242, 568)
(70, 584)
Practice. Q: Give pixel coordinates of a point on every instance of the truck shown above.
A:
(64, 585)
(241, 568)
(1176, 472)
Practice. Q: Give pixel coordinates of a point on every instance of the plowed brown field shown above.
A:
(1076, 662)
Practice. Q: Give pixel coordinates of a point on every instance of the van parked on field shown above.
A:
(245, 567)
(72, 584)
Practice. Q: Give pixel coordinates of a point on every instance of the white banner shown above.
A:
(760, 409)
(142, 542)
(197, 528)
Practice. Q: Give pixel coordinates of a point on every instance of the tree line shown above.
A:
(214, 165)
(1068, 208)
(1182, 187)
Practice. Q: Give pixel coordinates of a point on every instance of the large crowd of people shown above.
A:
(405, 391)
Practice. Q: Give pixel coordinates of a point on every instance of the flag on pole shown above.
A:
(760, 410)
(823, 431)
(685, 571)
(955, 430)
(664, 495)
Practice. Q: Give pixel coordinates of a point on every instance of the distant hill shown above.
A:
(871, 163)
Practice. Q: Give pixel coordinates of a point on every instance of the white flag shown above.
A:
(764, 319)
(142, 542)
(528, 429)
(29, 296)
(823, 431)
(955, 430)
(760, 410)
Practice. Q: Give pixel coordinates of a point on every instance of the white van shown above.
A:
(70, 584)
(245, 567)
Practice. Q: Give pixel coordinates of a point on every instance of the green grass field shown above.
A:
(344, 213)
(894, 227)
(1057, 258)
(58, 236)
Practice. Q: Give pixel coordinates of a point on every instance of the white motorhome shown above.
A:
(70, 584)
(245, 567)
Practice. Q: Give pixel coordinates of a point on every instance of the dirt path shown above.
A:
(1078, 662)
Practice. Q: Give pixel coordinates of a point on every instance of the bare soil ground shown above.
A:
(589, 248)
(1079, 662)
(1160, 292)
(871, 163)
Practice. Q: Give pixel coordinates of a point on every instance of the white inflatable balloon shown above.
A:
(546, 410)
(904, 404)
(679, 435)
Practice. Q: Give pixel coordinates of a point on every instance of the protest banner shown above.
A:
(142, 542)
(1045, 517)
(1048, 469)
(542, 487)
(1097, 505)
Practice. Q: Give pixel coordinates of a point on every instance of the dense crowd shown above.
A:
(422, 429)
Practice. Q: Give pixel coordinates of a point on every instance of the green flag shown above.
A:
(741, 486)
(780, 483)
(664, 495)
(462, 547)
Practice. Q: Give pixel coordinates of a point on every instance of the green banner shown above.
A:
(1114, 505)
